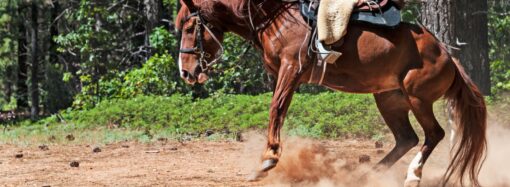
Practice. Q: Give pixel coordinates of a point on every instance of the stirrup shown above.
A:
(326, 54)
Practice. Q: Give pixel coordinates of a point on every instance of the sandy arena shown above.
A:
(228, 163)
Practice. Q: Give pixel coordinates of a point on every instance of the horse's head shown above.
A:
(200, 45)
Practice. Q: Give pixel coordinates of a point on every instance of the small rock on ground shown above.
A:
(18, 155)
(163, 139)
(239, 137)
(209, 133)
(52, 138)
(379, 144)
(364, 159)
(44, 147)
(74, 164)
(70, 137)
(96, 150)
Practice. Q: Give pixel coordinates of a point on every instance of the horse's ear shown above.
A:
(190, 5)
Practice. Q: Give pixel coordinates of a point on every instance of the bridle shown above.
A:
(198, 49)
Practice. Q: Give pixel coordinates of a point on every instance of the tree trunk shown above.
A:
(437, 16)
(168, 14)
(53, 57)
(472, 38)
(152, 10)
(175, 53)
(462, 24)
(8, 83)
(21, 84)
(34, 81)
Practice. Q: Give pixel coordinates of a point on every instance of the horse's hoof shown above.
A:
(255, 176)
(268, 164)
(412, 183)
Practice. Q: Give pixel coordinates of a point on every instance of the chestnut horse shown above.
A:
(406, 69)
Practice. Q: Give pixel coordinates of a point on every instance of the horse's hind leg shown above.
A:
(394, 108)
(423, 112)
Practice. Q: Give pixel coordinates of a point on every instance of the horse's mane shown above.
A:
(210, 7)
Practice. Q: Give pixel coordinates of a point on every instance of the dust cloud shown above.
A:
(496, 171)
(307, 162)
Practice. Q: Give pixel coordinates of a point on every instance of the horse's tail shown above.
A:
(470, 114)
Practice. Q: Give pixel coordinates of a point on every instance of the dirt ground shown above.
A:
(203, 163)
(195, 163)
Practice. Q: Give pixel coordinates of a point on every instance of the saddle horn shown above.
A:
(190, 5)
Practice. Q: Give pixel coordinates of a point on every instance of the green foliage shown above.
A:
(162, 40)
(240, 71)
(107, 38)
(500, 76)
(6, 40)
(155, 77)
(56, 93)
(335, 115)
(8, 106)
(323, 115)
(411, 11)
(499, 53)
(499, 33)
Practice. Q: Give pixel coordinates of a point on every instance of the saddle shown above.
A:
(364, 5)
(380, 13)
(383, 13)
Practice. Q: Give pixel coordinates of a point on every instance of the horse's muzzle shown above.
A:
(188, 77)
(192, 78)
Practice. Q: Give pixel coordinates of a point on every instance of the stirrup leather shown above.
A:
(326, 54)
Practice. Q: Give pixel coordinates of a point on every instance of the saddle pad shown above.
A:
(333, 18)
(390, 17)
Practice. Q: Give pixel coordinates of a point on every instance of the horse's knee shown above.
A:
(435, 136)
(408, 142)
(413, 140)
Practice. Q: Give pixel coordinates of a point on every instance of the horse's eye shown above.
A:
(189, 29)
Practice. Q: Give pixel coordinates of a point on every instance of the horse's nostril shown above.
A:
(184, 74)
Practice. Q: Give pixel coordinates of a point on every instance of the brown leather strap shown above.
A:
(318, 71)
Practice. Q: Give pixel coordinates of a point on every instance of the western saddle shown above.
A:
(371, 5)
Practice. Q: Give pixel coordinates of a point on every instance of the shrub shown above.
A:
(323, 115)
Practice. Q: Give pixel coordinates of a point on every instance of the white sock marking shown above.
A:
(415, 165)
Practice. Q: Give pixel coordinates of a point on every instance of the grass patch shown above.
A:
(144, 118)
(147, 118)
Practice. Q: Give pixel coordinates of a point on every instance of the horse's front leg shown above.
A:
(288, 81)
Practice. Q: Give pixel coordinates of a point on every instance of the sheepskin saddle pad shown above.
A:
(331, 17)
